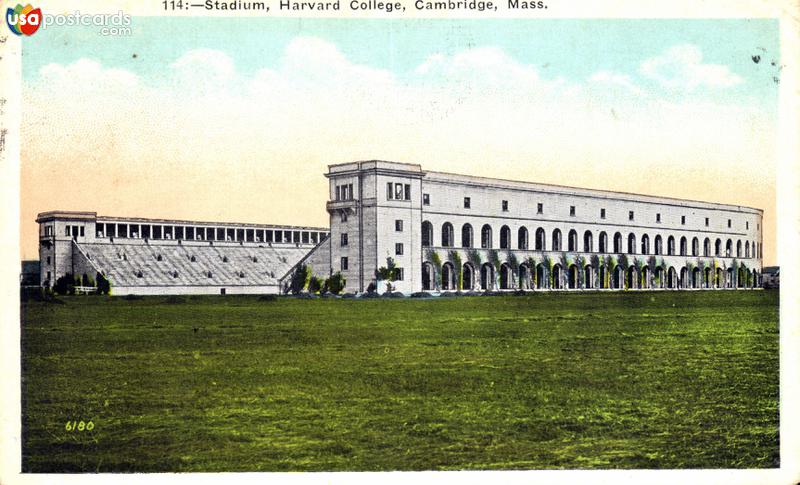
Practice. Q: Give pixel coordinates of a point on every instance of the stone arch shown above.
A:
(588, 244)
(684, 246)
(659, 248)
(427, 233)
(428, 276)
(718, 247)
(505, 237)
(659, 277)
(645, 278)
(556, 277)
(645, 244)
(486, 237)
(573, 277)
(707, 277)
(747, 249)
(602, 276)
(556, 246)
(729, 278)
(631, 278)
(719, 278)
(739, 248)
(695, 247)
(524, 277)
(506, 277)
(522, 238)
(449, 277)
(466, 236)
(707, 247)
(448, 237)
(487, 276)
(671, 246)
(572, 240)
(696, 277)
(684, 280)
(617, 277)
(588, 276)
(602, 242)
(672, 278)
(631, 243)
(540, 240)
(468, 276)
(617, 243)
(541, 276)
(728, 248)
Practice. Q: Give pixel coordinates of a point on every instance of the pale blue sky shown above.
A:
(570, 49)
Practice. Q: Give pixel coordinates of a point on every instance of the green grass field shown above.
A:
(616, 380)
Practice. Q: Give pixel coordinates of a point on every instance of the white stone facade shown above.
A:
(588, 239)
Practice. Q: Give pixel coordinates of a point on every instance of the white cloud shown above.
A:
(89, 73)
(316, 106)
(682, 67)
(616, 79)
(478, 66)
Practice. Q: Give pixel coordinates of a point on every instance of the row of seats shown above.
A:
(154, 265)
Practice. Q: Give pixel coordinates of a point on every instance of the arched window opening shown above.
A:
(556, 240)
(505, 238)
(427, 233)
(540, 239)
(486, 236)
(617, 243)
(447, 235)
(572, 241)
(522, 238)
(466, 236)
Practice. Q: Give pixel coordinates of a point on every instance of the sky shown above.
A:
(236, 119)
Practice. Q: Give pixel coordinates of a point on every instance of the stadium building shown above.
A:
(442, 231)
(155, 256)
(449, 232)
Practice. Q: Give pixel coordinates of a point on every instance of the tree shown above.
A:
(65, 285)
(387, 273)
(300, 279)
(336, 283)
(103, 285)
(314, 285)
